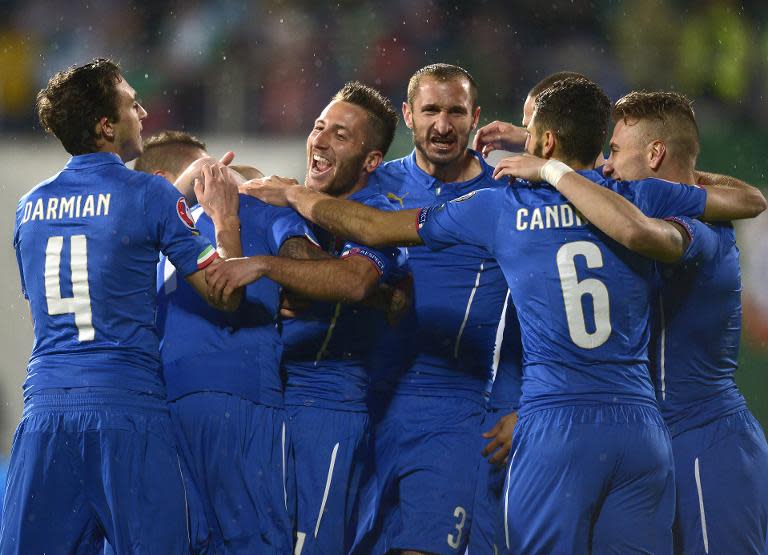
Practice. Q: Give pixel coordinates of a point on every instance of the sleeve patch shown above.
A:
(185, 215)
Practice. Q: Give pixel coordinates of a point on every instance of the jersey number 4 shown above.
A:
(574, 290)
(79, 303)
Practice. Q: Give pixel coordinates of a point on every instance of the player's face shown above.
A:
(442, 119)
(127, 128)
(336, 148)
(530, 102)
(628, 160)
(534, 144)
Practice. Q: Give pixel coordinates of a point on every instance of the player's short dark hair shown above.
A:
(76, 99)
(168, 151)
(382, 117)
(669, 115)
(441, 72)
(576, 110)
(550, 80)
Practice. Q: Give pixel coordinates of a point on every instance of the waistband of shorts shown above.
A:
(79, 401)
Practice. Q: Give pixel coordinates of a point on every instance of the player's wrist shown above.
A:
(227, 223)
(553, 171)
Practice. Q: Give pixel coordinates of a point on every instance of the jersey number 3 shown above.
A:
(574, 290)
(79, 303)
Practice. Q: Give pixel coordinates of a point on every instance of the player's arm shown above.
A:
(344, 218)
(349, 280)
(609, 212)
(729, 198)
(219, 199)
(499, 135)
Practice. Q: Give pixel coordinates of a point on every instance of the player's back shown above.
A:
(582, 299)
(87, 241)
(458, 293)
(204, 349)
(697, 326)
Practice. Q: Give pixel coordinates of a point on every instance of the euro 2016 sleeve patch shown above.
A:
(185, 216)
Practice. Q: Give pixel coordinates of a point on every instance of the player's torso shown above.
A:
(582, 301)
(458, 293)
(327, 347)
(204, 349)
(507, 363)
(696, 332)
(88, 258)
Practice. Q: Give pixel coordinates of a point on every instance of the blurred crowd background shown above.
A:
(264, 69)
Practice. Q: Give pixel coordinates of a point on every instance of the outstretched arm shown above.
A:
(344, 218)
(609, 212)
(729, 198)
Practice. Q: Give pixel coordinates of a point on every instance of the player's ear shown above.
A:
(372, 161)
(407, 115)
(475, 118)
(657, 150)
(105, 129)
(549, 144)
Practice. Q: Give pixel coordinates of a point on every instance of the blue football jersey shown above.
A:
(458, 296)
(583, 301)
(327, 347)
(204, 349)
(87, 243)
(696, 330)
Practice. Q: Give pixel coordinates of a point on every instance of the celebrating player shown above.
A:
(327, 346)
(223, 375)
(94, 454)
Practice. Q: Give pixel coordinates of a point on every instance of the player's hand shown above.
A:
(272, 189)
(195, 170)
(499, 135)
(223, 278)
(524, 166)
(217, 195)
(400, 300)
(501, 439)
(293, 306)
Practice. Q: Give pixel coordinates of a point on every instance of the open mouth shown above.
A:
(442, 143)
(320, 165)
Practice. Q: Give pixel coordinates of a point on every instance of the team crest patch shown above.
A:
(468, 196)
(183, 211)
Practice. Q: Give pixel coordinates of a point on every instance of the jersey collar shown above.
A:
(429, 182)
(93, 159)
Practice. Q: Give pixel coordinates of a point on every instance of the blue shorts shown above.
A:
(332, 454)
(721, 471)
(590, 479)
(87, 466)
(237, 454)
(487, 534)
(427, 452)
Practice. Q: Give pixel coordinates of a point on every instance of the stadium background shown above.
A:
(252, 76)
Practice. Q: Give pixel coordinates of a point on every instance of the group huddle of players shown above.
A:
(423, 356)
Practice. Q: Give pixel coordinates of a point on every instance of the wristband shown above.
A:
(553, 171)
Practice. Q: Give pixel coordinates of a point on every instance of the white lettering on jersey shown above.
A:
(548, 217)
(58, 208)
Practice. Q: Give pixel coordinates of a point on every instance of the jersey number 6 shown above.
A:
(574, 290)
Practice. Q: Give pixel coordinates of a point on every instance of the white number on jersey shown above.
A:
(455, 540)
(79, 303)
(574, 290)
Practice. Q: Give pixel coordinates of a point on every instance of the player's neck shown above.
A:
(464, 168)
(361, 183)
(677, 174)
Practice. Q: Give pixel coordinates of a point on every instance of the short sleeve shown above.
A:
(285, 225)
(388, 261)
(704, 241)
(470, 219)
(659, 198)
(171, 222)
